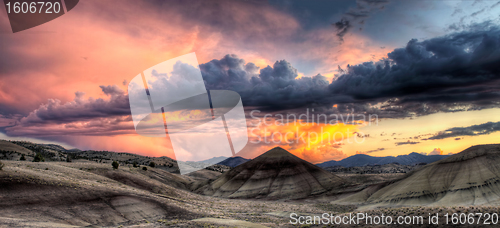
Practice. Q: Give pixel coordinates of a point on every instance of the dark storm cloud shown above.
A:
(453, 73)
(277, 86)
(480, 129)
(81, 109)
(454, 68)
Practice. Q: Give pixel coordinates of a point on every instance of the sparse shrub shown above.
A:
(152, 164)
(115, 164)
(145, 168)
(1, 165)
(22, 158)
(38, 158)
(136, 165)
(68, 158)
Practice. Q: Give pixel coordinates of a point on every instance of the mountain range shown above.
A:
(364, 160)
(357, 160)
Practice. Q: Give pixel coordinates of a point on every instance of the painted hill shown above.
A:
(276, 174)
(234, 161)
(363, 160)
(471, 177)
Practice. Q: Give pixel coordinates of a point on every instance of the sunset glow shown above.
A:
(66, 81)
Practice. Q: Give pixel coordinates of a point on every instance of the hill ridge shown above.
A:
(471, 177)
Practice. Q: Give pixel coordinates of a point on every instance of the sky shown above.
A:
(390, 77)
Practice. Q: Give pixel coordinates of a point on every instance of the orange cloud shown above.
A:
(436, 151)
(311, 141)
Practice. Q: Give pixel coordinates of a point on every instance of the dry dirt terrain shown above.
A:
(91, 193)
(61, 194)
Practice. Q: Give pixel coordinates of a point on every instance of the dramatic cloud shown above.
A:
(453, 73)
(54, 111)
(80, 117)
(461, 67)
(481, 129)
(465, 62)
(274, 87)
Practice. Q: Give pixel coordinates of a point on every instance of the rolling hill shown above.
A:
(471, 177)
(62, 194)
